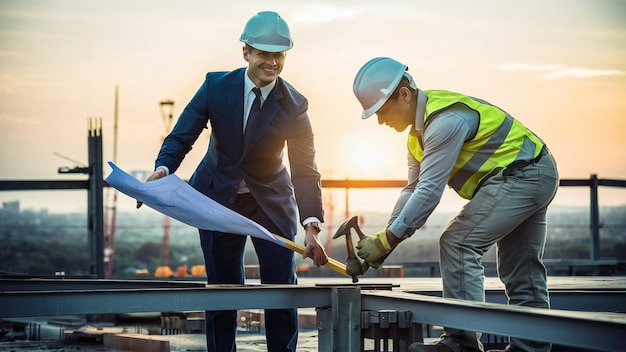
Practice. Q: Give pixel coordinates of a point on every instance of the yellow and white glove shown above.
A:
(374, 247)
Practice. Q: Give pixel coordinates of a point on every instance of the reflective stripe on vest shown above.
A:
(496, 144)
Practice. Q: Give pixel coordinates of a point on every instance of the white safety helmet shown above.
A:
(267, 31)
(376, 81)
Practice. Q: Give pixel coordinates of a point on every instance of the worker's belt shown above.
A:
(520, 164)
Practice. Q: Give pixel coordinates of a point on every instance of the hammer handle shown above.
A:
(332, 263)
(351, 254)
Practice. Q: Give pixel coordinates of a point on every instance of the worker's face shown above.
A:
(397, 113)
(263, 66)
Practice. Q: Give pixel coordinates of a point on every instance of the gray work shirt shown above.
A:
(443, 140)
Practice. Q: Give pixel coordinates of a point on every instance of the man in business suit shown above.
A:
(243, 170)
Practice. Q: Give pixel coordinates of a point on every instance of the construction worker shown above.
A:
(488, 157)
(253, 113)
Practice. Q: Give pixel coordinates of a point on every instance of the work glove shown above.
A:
(356, 267)
(378, 262)
(374, 247)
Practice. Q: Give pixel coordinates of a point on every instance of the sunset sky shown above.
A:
(559, 66)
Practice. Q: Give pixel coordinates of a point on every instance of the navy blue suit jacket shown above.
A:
(283, 120)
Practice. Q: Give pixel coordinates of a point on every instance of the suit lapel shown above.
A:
(234, 97)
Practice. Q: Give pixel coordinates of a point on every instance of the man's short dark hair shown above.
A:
(404, 82)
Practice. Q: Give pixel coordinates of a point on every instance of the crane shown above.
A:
(111, 212)
(167, 114)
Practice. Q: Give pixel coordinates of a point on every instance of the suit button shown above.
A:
(232, 201)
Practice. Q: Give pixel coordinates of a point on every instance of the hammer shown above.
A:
(344, 229)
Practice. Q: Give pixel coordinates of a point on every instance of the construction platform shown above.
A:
(587, 312)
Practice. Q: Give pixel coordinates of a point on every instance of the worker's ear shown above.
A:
(245, 52)
(405, 95)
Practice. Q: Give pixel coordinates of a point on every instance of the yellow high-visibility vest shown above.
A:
(496, 144)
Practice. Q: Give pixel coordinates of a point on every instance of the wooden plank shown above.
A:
(136, 343)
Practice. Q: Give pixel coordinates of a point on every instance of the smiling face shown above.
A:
(263, 66)
(398, 112)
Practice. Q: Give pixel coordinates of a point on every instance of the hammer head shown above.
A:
(345, 229)
(346, 226)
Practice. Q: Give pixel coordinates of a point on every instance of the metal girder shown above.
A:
(31, 185)
(68, 302)
(338, 306)
(594, 330)
(346, 315)
(43, 284)
(45, 185)
(575, 299)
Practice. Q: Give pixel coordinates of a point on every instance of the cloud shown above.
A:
(322, 12)
(514, 66)
(7, 84)
(580, 72)
(558, 71)
(17, 120)
(13, 85)
(10, 54)
(319, 13)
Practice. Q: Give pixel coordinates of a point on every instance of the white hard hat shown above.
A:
(376, 81)
(267, 31)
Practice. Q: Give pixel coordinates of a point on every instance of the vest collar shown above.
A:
(418, 126)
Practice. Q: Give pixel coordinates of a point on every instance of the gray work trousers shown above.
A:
(509, 210)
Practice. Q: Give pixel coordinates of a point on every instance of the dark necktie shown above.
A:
(254, 113)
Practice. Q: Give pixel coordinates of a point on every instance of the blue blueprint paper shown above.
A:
(175, 198)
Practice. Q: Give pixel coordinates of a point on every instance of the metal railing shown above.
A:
(94, 185)
(593, 183)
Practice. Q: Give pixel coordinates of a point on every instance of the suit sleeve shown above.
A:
(304, 174)
(192, 121)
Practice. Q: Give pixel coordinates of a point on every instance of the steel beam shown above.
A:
(64, 284)
(593, 330)
(346, 314)
(104, 301)
(44, 185)
(575, 299)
